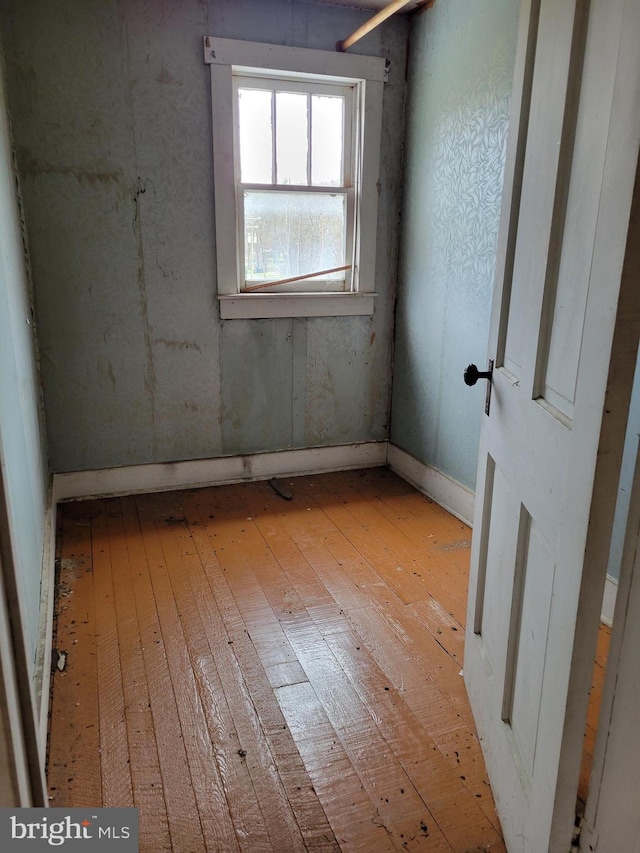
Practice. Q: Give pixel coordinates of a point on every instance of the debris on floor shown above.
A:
(279, 489)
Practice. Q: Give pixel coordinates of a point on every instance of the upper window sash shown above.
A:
(312, 85)
(349, 94)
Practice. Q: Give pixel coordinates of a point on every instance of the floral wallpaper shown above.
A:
(467, 165)
(461, 64)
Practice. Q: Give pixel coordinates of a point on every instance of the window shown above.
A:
(296, 153)
(294, 162)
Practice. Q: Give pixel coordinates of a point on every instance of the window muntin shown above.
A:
(294, 156)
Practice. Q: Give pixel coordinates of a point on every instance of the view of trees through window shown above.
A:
(291, 234)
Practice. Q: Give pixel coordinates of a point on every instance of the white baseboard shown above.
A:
(136, 479)
(451, 495)
(42, 667)
(609, 600)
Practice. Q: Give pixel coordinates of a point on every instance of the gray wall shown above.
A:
(111, 107)
(461, 64)
(23, 466)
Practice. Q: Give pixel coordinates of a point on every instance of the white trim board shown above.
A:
(194, 473)
(448, 493)
(259, 305)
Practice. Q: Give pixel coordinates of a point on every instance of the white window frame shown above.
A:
(368, 74)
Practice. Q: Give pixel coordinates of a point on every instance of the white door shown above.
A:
(546, 475)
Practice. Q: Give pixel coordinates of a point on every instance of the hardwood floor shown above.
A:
(595, 700)
(259, 674)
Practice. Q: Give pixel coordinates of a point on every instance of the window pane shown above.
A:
(291, 234)
(326, 140)
(292, 143)
(256, 142)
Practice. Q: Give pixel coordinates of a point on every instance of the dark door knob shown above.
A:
(472, 374)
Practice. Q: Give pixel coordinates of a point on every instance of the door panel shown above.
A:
(496, 582)
(571, 162)
(535, 572)
(558, 56)
(580, 222)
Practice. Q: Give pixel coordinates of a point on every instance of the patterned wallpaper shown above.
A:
(458, 102)
(467, 164)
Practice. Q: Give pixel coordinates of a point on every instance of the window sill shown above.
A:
(267, 305)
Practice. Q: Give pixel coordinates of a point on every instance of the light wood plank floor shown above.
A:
(263, 675)
(595, 701)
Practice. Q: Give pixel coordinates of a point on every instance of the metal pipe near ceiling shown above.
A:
(371, 24)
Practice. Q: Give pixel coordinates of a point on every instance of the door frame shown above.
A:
(610, 451)
(22, 779)
(604, 786)
(15, 781)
